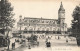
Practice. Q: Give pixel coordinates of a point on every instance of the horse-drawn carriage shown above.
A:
(33, 40)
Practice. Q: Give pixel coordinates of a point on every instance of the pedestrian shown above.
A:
(51, 36)
(39, 37)
(25, 44)
(37, 43)
(29, 47)
(12, 45)
(55, 37)
(48, 44)
(48, 37)
(46, 40)
(58, 37)
(67, 40)
(15, 40)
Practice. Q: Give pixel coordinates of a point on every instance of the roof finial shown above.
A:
(20, 16)
(61, 4)
(41, 17)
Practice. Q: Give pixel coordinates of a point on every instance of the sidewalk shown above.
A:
(10, 46)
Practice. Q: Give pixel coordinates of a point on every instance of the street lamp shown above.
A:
(63, 28)
(20, 22)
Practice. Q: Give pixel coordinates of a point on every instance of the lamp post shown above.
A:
(20, 23)
(63, 28)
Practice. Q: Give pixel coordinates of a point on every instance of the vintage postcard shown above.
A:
(39, 25)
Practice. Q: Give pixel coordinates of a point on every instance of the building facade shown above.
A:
(43, 25)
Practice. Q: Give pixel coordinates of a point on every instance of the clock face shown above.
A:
(62, 15)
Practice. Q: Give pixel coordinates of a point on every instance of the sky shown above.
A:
(43, 8)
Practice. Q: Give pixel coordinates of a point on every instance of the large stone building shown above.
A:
(43, 25)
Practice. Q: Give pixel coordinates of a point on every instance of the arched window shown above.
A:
(47, 30)
(25, 28)
(42, 21)
(58, 31)
(30, 30)
(54, 30)
(38, 31)
(43, 30)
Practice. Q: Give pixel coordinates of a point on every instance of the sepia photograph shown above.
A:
(39, 25)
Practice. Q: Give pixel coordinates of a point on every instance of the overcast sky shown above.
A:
(43, 8)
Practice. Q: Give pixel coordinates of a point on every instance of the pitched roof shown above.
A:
(39, 18)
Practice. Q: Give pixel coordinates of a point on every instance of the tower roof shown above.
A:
(61, 7)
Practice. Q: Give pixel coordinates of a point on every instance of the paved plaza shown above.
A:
(56, 44)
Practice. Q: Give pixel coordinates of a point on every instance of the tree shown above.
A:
(6, 15)
(76, 21)
(76, 24)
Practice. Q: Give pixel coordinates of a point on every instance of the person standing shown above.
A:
(67, 39)
(48, 44)
(29, 47)
(12, 45)
(58, 37)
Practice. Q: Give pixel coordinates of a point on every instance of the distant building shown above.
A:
(43, 25)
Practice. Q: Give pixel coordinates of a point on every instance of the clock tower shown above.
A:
(61, 17)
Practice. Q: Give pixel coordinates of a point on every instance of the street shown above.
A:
(56, 44)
